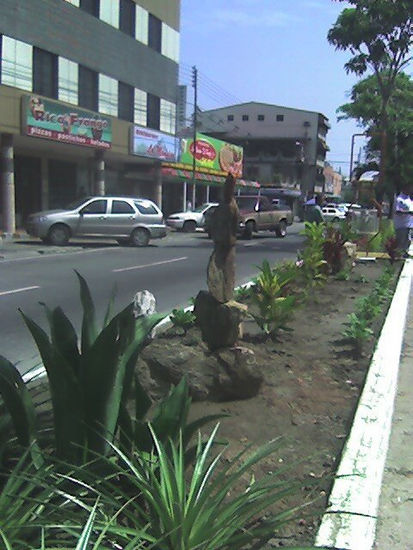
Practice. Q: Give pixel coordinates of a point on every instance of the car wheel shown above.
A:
(140, 237)
(58, 235)
(189, 226)
(281, 230)
(249, 229)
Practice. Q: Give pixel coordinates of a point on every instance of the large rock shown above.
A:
(220, 323)
(228, 374)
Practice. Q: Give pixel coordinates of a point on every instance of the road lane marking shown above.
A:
(149, 265)
(18, 290)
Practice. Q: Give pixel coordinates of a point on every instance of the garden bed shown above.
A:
(312, 382)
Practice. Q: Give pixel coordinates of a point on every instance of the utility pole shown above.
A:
(195, 121)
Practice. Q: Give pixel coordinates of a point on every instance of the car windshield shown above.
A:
(246, 203)
(200, 208)
(75, 204)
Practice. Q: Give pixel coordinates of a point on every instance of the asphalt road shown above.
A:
(173, 269)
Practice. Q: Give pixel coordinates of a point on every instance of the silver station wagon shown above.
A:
(128, 220)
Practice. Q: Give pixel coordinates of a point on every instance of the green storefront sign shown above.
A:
(212, 155)
(48, 119)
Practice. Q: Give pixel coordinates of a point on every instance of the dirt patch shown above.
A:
(312, 383)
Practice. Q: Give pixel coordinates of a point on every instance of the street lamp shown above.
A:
(352, 154)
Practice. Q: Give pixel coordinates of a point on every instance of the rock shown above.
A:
(144, 303)
(220, 323)
(239, 377)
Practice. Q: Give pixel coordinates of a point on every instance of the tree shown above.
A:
(379, 35)
(365, 108)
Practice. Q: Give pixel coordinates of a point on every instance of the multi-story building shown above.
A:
(282, 146)
(333, 180)
(75, 76)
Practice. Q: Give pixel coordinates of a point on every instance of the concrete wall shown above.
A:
(66, 30)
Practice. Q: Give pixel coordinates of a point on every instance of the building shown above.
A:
(282, 146)
(333, 180)
(75, 77)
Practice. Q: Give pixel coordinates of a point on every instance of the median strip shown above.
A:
(149, 265)
(18, 290)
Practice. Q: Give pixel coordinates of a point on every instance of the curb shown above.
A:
(350, 521)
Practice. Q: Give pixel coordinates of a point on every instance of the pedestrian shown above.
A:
(313, 212)
(189, 206)
(403, 219)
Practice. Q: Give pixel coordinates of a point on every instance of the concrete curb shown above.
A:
(350, 521)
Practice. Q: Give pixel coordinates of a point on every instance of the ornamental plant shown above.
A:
(313, 266)
(182, 319)
(357, 331)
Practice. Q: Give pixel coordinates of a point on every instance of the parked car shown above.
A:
(191, 219)
(126, 219)
(333, 214)
(257, 213)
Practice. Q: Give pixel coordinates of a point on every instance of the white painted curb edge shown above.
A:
(350, 520)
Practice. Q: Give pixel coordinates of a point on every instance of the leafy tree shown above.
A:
(379, 35)
(365, 108)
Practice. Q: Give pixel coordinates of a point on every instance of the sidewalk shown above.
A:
(395, 516)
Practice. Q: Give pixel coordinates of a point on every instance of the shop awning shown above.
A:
(205, 179)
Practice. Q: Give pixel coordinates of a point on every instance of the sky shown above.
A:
(270, 51)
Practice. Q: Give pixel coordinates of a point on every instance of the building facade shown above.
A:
(333, 180)
(282, 146)
(75, 77)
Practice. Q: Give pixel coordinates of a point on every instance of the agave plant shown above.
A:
(182, 319)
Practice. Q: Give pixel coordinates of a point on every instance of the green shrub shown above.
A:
(182, 319)
(358, 331)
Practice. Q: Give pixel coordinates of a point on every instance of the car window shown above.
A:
(246, 203)
(265, 205)
(95, 207)
(75, 204)
(122, 207)
(145, 207)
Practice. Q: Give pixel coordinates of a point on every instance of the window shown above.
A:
(44, 72)
(260, 117)
(127, 17)
(280, 118)
(88, 88)
(245, 117)
(155, 33)
(141, 24)
(74, 2)
(167, 116)
(153, 115)
(108, 95)
(90, 6)
(126, 102)
(122, 207)
(16, 63)
(95, 207)
(68, 81)
(140, 107)
(170, 42)
(230, 118)
(109, 12)
(145, 208)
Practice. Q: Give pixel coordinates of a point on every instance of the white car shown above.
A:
(333, 214)
(191, 219)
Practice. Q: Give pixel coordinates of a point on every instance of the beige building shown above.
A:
(76, 78)
(333, 180)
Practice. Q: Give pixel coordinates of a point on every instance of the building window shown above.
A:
(127, 17)
(170, 42)
(68, 81)
(109, 12)
(155, 33)
(44, 73)
(230, 118)
(16, 63)
(167, 116)
(245, 117)
(90, 6)
(74, 2)
(126, 102)
(154, 108)
(141, 24)
(88, 88)
(260, 117)
(140, 107)
(280, 118)
(108, 95)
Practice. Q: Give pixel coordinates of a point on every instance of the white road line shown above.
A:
(149, 265)
(18, 290)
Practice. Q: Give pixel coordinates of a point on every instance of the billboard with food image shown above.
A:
(212, 155)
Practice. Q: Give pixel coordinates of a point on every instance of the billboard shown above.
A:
(146, 142)
(52, 120)
(212, 156)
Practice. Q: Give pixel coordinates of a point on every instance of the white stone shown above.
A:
(144, 303)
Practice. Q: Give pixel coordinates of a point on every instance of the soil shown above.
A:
(312, 382)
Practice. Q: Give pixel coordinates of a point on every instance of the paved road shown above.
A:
(173, 269)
